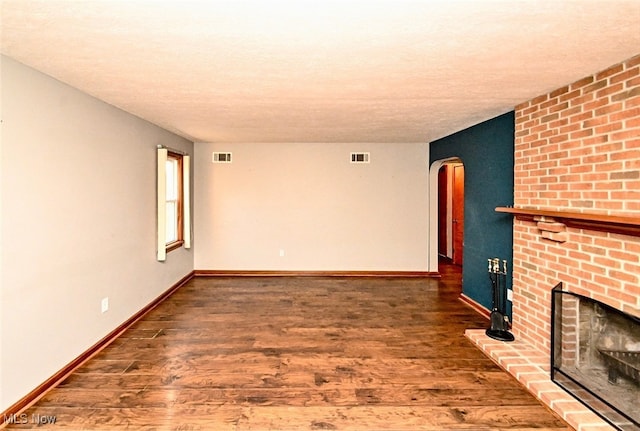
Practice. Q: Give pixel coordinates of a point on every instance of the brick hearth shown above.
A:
(531, 368)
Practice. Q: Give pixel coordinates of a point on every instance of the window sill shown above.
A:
(174, 245)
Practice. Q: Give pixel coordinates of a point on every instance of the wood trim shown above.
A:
(600, 222)
(276, 273)
(486, 313)
(171, 155)
(174, 245)
(33, 396)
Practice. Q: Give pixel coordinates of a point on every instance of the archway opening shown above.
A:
(446, 212)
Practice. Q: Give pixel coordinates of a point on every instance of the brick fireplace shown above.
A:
(577, 150)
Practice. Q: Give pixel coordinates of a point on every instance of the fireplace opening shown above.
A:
(595, 356)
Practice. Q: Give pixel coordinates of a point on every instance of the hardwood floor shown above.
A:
(298, 354)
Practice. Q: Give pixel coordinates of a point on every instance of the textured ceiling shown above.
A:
(319, 71)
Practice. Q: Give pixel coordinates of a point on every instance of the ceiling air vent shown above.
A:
(221, 158)
(360, 157)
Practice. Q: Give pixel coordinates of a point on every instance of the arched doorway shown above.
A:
(451, 212)
(446, 212)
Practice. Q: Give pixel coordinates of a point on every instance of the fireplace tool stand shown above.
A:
(499, 329)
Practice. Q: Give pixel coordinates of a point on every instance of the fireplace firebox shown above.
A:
(595, 356)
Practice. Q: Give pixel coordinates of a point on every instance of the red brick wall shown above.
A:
(577, 149)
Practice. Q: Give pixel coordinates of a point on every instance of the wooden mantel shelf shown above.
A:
(600, 222)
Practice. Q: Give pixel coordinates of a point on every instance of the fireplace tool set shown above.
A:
(499, 329)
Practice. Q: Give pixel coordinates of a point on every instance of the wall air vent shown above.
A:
(221, 158)
(360, 157)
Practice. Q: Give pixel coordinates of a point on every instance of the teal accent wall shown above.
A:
(486, 150)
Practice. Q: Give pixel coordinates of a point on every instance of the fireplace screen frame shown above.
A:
(593, 399)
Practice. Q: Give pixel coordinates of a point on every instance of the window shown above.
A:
(173, 203)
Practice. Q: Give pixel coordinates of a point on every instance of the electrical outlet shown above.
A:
(104, 305)
(509, 295)
(281, 253)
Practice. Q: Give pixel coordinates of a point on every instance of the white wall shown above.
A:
(311, 202)
(78, 224)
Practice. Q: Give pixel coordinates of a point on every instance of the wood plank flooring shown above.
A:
(306, 353)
